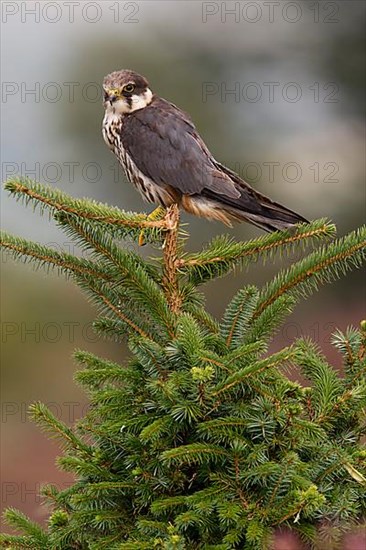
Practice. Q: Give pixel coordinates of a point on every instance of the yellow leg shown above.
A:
(155, 215)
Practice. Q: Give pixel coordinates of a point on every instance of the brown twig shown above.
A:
(170, 282)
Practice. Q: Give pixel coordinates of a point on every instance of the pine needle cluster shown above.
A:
(199, 440)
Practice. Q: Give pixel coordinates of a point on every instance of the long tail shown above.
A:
(256, 208)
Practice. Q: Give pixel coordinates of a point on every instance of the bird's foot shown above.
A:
(157, 214)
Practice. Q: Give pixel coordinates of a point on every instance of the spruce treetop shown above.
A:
(199, 440)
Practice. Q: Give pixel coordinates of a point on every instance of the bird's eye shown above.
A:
(129, 88)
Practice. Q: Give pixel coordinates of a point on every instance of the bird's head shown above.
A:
(125, 92)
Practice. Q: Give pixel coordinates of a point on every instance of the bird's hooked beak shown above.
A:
(111, 95)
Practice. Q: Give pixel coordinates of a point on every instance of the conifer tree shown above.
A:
(199, 440)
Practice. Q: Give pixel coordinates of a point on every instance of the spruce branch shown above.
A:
(93, 239)
(18, 542)
(35, 537)
(49, 423)
(204, 318)
(97, 371)
(111, 303)
(352, 345)
(104, 487)
(89, 275)
(307, 498)
(244, 352)
(324, 265)
(56, 201)
(276, 360)
(195, 453)
(238, 314)
(84, 468)
(135, 278)
(326, 384)
(223, 253)
(265, 325)
(43, 256)
(116, 329)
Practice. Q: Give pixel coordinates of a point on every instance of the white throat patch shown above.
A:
(141, 101)
(122, 107)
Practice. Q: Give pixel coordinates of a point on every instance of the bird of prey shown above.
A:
(168, 162)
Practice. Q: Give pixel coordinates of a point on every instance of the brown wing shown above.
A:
(165, 146)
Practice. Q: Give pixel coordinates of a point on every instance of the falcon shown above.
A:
(167, 161)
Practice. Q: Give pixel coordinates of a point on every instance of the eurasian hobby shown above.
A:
(168, 162)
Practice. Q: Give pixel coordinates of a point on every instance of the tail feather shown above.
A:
(254, 207)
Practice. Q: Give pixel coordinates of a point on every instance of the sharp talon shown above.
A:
(141, 241)
(155, 215)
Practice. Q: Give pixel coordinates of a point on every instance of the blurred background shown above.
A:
(276, 90)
